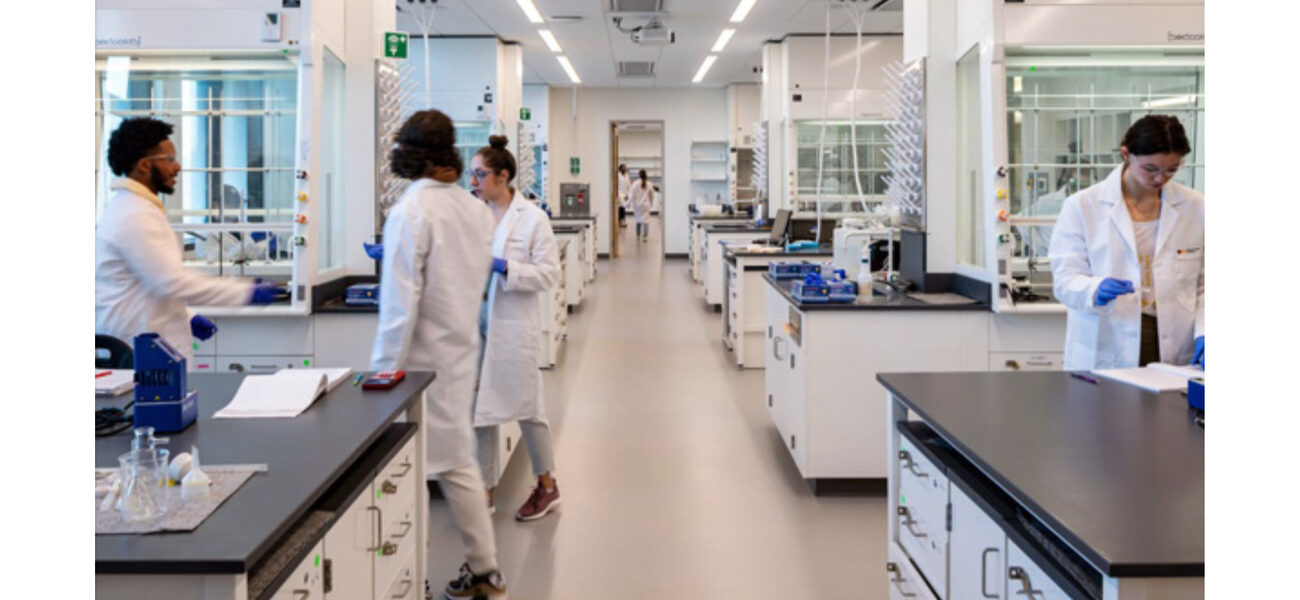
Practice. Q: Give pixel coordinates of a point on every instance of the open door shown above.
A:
(614, 232)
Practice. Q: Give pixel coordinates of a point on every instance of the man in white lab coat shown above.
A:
(624, 188)
(437, 256)
(1128, 259)
(141, 285)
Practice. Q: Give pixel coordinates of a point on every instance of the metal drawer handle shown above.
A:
(897, 579)
(776, 342)
(405, 590)
(910, 464)
(406, 468)
(908, 522)
(388, 487)
(984, 570)
(1026, 587)
(380, 523)
(398, 536)
(1040, 363)
(305, 594)
(1013, 365)
(388, 549)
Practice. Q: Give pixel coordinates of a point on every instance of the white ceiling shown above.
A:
(594, 45)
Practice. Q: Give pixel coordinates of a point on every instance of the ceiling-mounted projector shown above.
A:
(653, 33)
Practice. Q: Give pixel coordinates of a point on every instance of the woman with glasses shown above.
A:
(1128, 258)
(525, 265)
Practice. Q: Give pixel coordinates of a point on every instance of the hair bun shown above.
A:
(498, 141)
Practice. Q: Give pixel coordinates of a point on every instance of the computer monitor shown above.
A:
(780, 227)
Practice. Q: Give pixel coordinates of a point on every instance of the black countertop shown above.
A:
(698, 217)
(736, 228)
(1115, 471)
(305, 456)
(878, 302)
(731, 251)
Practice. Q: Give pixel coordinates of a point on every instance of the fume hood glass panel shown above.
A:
(837, 163)
(235, 126)
(333, 208)
(239, 251)
(971, 218)
(1065, 124)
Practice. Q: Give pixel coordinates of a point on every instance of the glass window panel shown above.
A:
(333, 208)
(970, 166)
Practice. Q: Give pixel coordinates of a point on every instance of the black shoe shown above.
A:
(471, 586)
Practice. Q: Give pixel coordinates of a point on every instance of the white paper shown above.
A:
(1155, 380)
(1184, 371)
(335, 376)
(285, 394)
(116, 383)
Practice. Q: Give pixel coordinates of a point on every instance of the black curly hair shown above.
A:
(497, 158)
(426, 140)
(132, 141)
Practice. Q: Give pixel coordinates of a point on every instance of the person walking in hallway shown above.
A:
(642, 197)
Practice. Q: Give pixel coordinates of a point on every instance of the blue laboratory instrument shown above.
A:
(162, 398)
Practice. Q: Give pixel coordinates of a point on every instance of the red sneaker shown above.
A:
(539, 503)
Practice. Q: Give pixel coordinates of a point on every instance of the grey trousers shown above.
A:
(463, 490)
(537, 437)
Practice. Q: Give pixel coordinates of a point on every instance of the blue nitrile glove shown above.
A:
(1111, 289)
(202, 328)
(499, 265)
(375, 251)
(1199, 358)
(264, 293)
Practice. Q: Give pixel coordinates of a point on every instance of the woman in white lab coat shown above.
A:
(436, 259)
(141, 284)
(642, 197)
(1128, 258)
(525, 265)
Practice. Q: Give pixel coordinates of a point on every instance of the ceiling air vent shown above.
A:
(636, 6)
(636, 69)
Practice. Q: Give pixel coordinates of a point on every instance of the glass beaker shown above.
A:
(144, 484)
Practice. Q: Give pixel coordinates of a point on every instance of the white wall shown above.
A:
(640, 143)
(687, 113)
(807, 55)
(462, 71)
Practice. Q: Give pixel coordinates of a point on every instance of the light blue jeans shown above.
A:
(537, 437)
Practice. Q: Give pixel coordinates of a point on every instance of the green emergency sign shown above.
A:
(574, 165)
(395, 44)
(525, 114)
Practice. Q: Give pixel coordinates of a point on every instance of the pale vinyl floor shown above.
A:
(675, 483)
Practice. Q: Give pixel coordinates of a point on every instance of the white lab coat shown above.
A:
(642, 200)
(1093, 239)
(624, 188)
(437, 256)
(510, 386)
(141, 283)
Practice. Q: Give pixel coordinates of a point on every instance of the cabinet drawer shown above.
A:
(306, 582)
(1026, 361)
(1025, 580)
(903, 581)
(389, 569)
(403, 586)
(276, 336)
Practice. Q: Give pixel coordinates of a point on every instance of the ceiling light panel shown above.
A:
(704, 68)
(549, 38)
(568, 68)
(722, 40)
(742, 10)
(530, 11)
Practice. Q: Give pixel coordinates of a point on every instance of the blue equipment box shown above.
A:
(362, 294)
(163, 399)
(843, 291)
(792, 270)
(811, 292)
(1196, 394)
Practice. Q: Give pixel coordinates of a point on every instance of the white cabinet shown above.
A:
(904, 581)
(922, 514)
(345, 339)
(575, 267)
(826, 375)
(261, 364)
(713, 259)
(977, 551)
(554, 319)
(307, 581)
(1026, 361)
(372, 549)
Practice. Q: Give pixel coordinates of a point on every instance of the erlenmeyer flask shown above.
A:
(143, 477)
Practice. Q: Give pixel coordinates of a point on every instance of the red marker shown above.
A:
(105, 373)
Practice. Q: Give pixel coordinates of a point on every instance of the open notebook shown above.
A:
(1156, 377)
(285, 394)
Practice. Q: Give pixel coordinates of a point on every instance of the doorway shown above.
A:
(640, 146)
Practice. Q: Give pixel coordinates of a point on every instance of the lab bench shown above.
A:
(342, 505)
(695, 238)
(588, 224)
(1009, 485)
(554, 315)
(821, 361)
(711, 263)
(579, 264)
(743, 317)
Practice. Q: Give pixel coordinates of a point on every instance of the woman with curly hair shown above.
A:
(436, 261)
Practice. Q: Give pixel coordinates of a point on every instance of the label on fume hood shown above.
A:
(395, 44)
